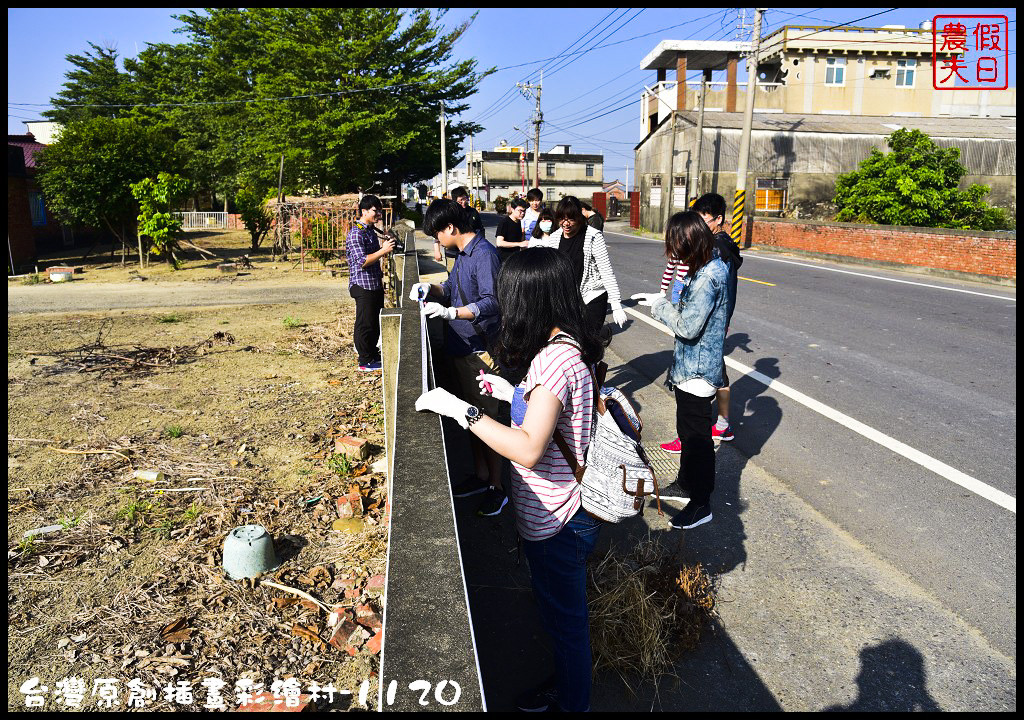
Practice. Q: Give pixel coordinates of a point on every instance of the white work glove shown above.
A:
(433, 310)
(618, 314)
(442, 402)
(647, 299)
(501, 389)
(419, 291)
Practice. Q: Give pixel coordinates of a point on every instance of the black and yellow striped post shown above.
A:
(736, 229)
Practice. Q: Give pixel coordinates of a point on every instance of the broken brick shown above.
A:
(352, 447)
(342, 633)
(376, 585)
(374, 643)
(350, 505)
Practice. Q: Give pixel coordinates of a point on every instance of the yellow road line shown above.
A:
(760, 282)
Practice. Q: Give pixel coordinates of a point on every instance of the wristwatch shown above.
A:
(473, 413)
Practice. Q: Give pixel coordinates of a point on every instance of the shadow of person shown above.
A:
(737, 340)
(892, 678)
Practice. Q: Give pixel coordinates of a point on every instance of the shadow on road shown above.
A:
(892, 678)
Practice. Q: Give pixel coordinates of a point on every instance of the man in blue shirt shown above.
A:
(468, 300)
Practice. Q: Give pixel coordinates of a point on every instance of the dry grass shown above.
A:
(646, 609)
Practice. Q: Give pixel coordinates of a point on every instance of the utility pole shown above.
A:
(740, 198)
(538, 118)
(469, 166)
(694, 189)
(444, 158)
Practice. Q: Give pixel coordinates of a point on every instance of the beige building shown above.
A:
(507, 170)
(813, 70)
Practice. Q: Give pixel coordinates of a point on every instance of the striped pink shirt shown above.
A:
(546, 496)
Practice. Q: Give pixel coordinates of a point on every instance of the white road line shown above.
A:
(936, 466)
(878, 277)
(845, 272)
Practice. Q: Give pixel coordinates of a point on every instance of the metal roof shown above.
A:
(1001, 128)
(700, 54)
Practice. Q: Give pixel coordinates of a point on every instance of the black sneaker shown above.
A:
(692, 516)
(540, 699)
(472, 485)
(494, 500)
(674, 491)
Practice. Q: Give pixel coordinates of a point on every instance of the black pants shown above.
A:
(697, 462)
(369, 303)
(595, 312)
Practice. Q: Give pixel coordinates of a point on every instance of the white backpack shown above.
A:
(617, 476)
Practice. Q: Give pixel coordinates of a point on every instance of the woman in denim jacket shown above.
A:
(698, 321)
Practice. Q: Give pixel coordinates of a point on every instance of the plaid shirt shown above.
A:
(362, 241)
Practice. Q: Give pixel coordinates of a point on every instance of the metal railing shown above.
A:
(203, 220)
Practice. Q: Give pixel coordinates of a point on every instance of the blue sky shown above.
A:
(590, 100)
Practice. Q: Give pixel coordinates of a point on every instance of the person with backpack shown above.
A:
(711, 207)
(544, 329)
(698, 321)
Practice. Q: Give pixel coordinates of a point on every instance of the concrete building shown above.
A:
(795, 159)
(508, 169)
(824, 98)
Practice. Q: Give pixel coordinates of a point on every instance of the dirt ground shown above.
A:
(239, 408)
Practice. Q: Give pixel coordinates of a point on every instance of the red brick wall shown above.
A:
(977, 253)
(19, 224)
(634, 209)
(599, 202)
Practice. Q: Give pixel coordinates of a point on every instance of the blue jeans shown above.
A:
(558, 569)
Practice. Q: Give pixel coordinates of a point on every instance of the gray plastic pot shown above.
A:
(249, 552)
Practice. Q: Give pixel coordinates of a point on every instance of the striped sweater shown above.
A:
(546, 496)
(598, 276)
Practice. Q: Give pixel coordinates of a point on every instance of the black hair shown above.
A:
(586, 206)
(519, 203)
(459, 192)
(442, 213)
(711, 204)
(570, 208)
(537, 291)
(370, 201)
(689, 240)
(542, 214)
(534, 194)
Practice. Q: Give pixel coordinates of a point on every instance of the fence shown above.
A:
(317, 229)
(204, 220)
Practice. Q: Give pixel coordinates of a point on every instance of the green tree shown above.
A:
(916, 183)
(157, 200)
(252, 206)
(97, 82)
(87, 174)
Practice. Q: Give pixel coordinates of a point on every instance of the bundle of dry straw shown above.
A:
(646, 609)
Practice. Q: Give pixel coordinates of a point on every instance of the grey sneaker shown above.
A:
(494, 500)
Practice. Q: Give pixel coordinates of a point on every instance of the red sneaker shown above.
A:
(675, 447)
(722, 434)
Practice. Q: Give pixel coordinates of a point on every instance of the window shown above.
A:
(679, 192)
(905, 73)
(35, 206)
(590, 169)
(771, 194)
(835, 71)
(655, 190)
(551, 169)
(551, 194)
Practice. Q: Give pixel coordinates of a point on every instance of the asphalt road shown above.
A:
(928, 362)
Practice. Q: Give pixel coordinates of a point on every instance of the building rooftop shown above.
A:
(945, 127)
(700, 54)
(29, 146)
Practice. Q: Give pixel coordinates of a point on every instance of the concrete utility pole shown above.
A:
(444, 158)
(740, 199)
(538, 118)
(469, 167)
(694, 189)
